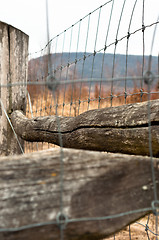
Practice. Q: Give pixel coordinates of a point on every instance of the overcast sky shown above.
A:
(30, 17)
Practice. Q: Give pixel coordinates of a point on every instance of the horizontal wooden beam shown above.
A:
(82, 184)
(122, 129)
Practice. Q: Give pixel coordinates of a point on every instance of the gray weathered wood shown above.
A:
(122, 129)
(13, 69)
(95, 184)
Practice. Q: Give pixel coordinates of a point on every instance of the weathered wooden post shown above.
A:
(13, 69)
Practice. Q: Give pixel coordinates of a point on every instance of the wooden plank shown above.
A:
(13, 69)
(122, 129)
(95, 184)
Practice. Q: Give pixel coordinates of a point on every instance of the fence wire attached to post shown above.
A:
(74, 75)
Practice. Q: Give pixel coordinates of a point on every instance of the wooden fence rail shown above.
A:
(122, 129)
(95, 184)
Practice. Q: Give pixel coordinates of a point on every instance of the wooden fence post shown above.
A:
(13, 69)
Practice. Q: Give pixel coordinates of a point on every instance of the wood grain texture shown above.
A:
(122, 129)
(95, 184)
(13, 70)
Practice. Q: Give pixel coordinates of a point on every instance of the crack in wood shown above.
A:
(145, 125)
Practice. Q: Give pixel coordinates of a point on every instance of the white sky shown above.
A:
(30, 17)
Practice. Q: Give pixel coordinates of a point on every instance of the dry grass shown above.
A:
(65, 102)
(137, 232)
(74, 100)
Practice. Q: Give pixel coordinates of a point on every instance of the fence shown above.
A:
(83, 69)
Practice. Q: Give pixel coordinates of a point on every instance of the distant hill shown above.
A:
(91, 67)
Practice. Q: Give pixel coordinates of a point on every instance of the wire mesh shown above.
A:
(91, 65)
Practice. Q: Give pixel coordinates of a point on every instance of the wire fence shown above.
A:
(91, 65)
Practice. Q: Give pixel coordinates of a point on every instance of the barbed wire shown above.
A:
(69, 64)
(73, 220)
(79, 80)
(63, 32)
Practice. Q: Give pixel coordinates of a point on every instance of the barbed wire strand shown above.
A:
(115, 46)
(111, 44)
(106, 39)
(84, 80)
(149, 126)
(94, 55)
(143, 64)
(143, 43)
(102, 49)
(63, 45)
(83, 64)
(45, 47)
(74, 71)
(64, 94)
(68, 65)
(146, 228)
(129, 232)
(127, 48)
(84, 219)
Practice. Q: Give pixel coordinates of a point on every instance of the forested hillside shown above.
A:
(90, 67)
